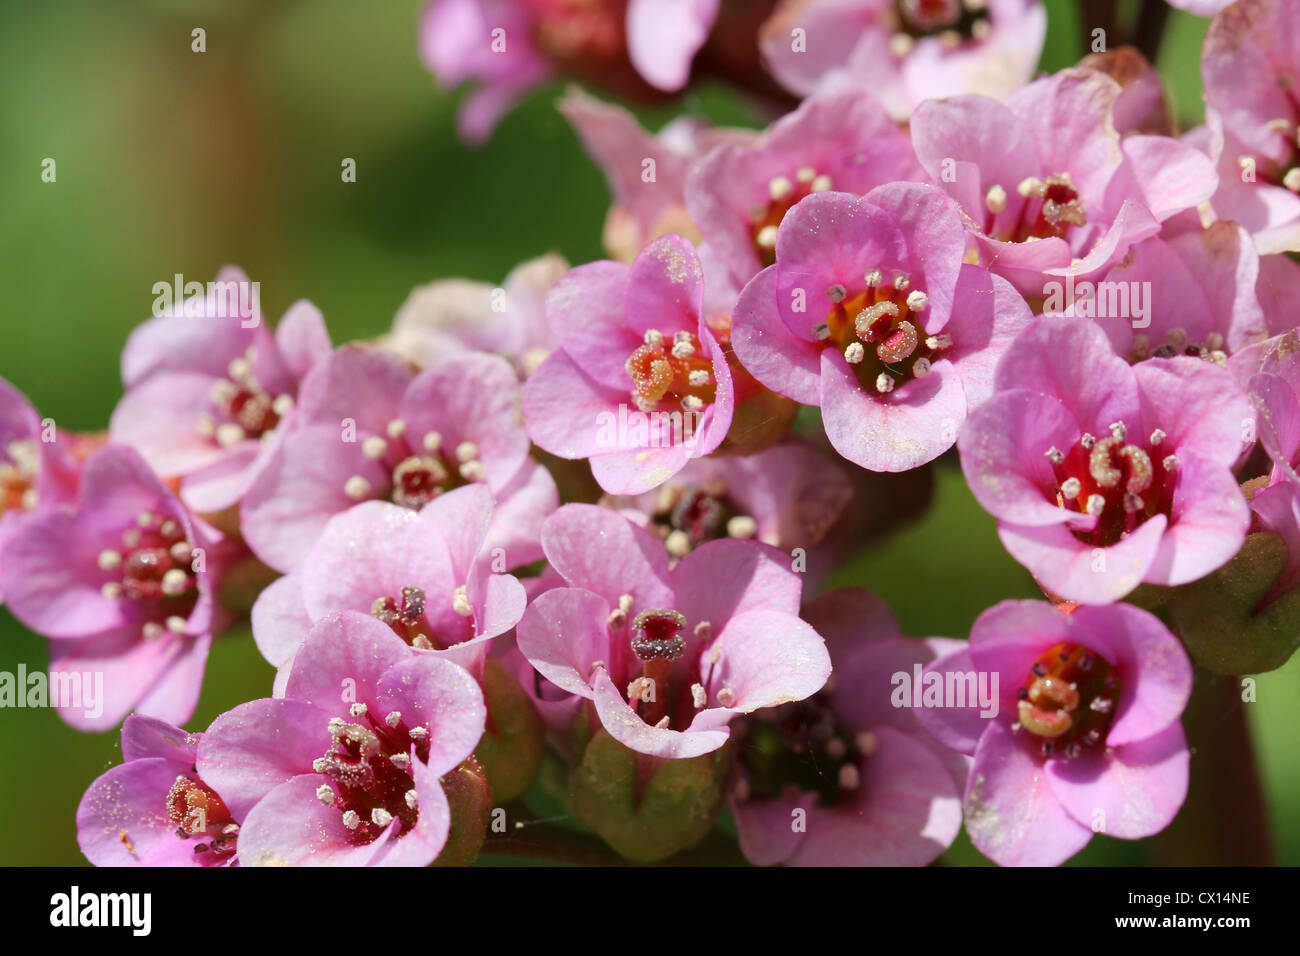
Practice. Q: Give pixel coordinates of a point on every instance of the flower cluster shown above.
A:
(582, 519)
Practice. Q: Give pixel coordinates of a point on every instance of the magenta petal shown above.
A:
(1198, 406)
(626, 726)
(302, 338)
(1012, 815)
(357, 382)
(1155, 674)
(564, 634)
(257, 746)
(564, 407)
(344, 651)
(723, 576)
(421, 845)
(280, 620)
(599, 550)
(291, 827)
(1079, 572)
(905, 813)
(912, 425)
(585, 312)
(123, 813)
(434, 693)
(144, 737)
(1209, 521)
(663, 37)
(769, 351)
(1003, 449)
(370, 551)
(766, 828)
(665, 288)
(767, 658)
(1132, 791)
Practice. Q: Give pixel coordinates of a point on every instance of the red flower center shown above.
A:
(420, 468)
(1068, 700)
(1120, 481)
(200, 814)
(369, 762)
(156, 568)
(675, 372)
(20, 464)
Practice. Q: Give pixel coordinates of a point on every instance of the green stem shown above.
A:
(1224, 821)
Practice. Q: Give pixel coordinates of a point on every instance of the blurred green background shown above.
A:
(172, 161)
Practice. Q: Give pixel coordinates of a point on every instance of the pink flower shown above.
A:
(788, 496)
(1045, 183)
(368, 427)
(453, 316)
(458, 44)
(649, 200)
(668, 657)
(1275, 393)
(663, 37)
(344, 769)
(739, 193)
(37, 469)
(908, 51)
(1101, 475)
(863, 781)
(207, 387)
(639, 384)
(123, 582)
(870, 314)
(426, 574)
(1086, 739)
(1189, 293)
(1250, 65)
(154, 809)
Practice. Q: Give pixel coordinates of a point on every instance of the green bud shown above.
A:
(511, 748)
(470, 797)
(1220, 618)
(646, 808)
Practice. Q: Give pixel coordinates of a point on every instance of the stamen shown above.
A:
(995, 200)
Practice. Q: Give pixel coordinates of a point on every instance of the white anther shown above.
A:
(821, 184)
(180, 551)
(472, 471)
(921, 367)
(849, 778)
(866, 743)
(836, 293)
(805, 174)
(460, 602)
(900, 44)
(678, 543)
(418, 733)
(1071, 488)
(821, 331)
(873, 278)
(239, 369)
(917, 300)
(726, 697)
(393, 718)
(698, 377)
(1030, 186)
(412, 799)
(325, 794)
(741, 526)
(1096, 505)
(854, 353)
(653, 337)
(1119, 430)
(228, 433)
(779, 187)
(400, 761)
(466, 451)
(396, 428)
(1170, 462)
(901, 281)
(884, 383)
(109, 559)
(683, 349)
(698, 695)
(1292, 180)
(374, 447)
(936, 342)
(995, 200)
(174, 582)
(766, 237)
(177, 624)
(358, 709)
(152, 630)
(356, 488)
(111, 590)
(351, 819)
(1157, 437)
(282, 405)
